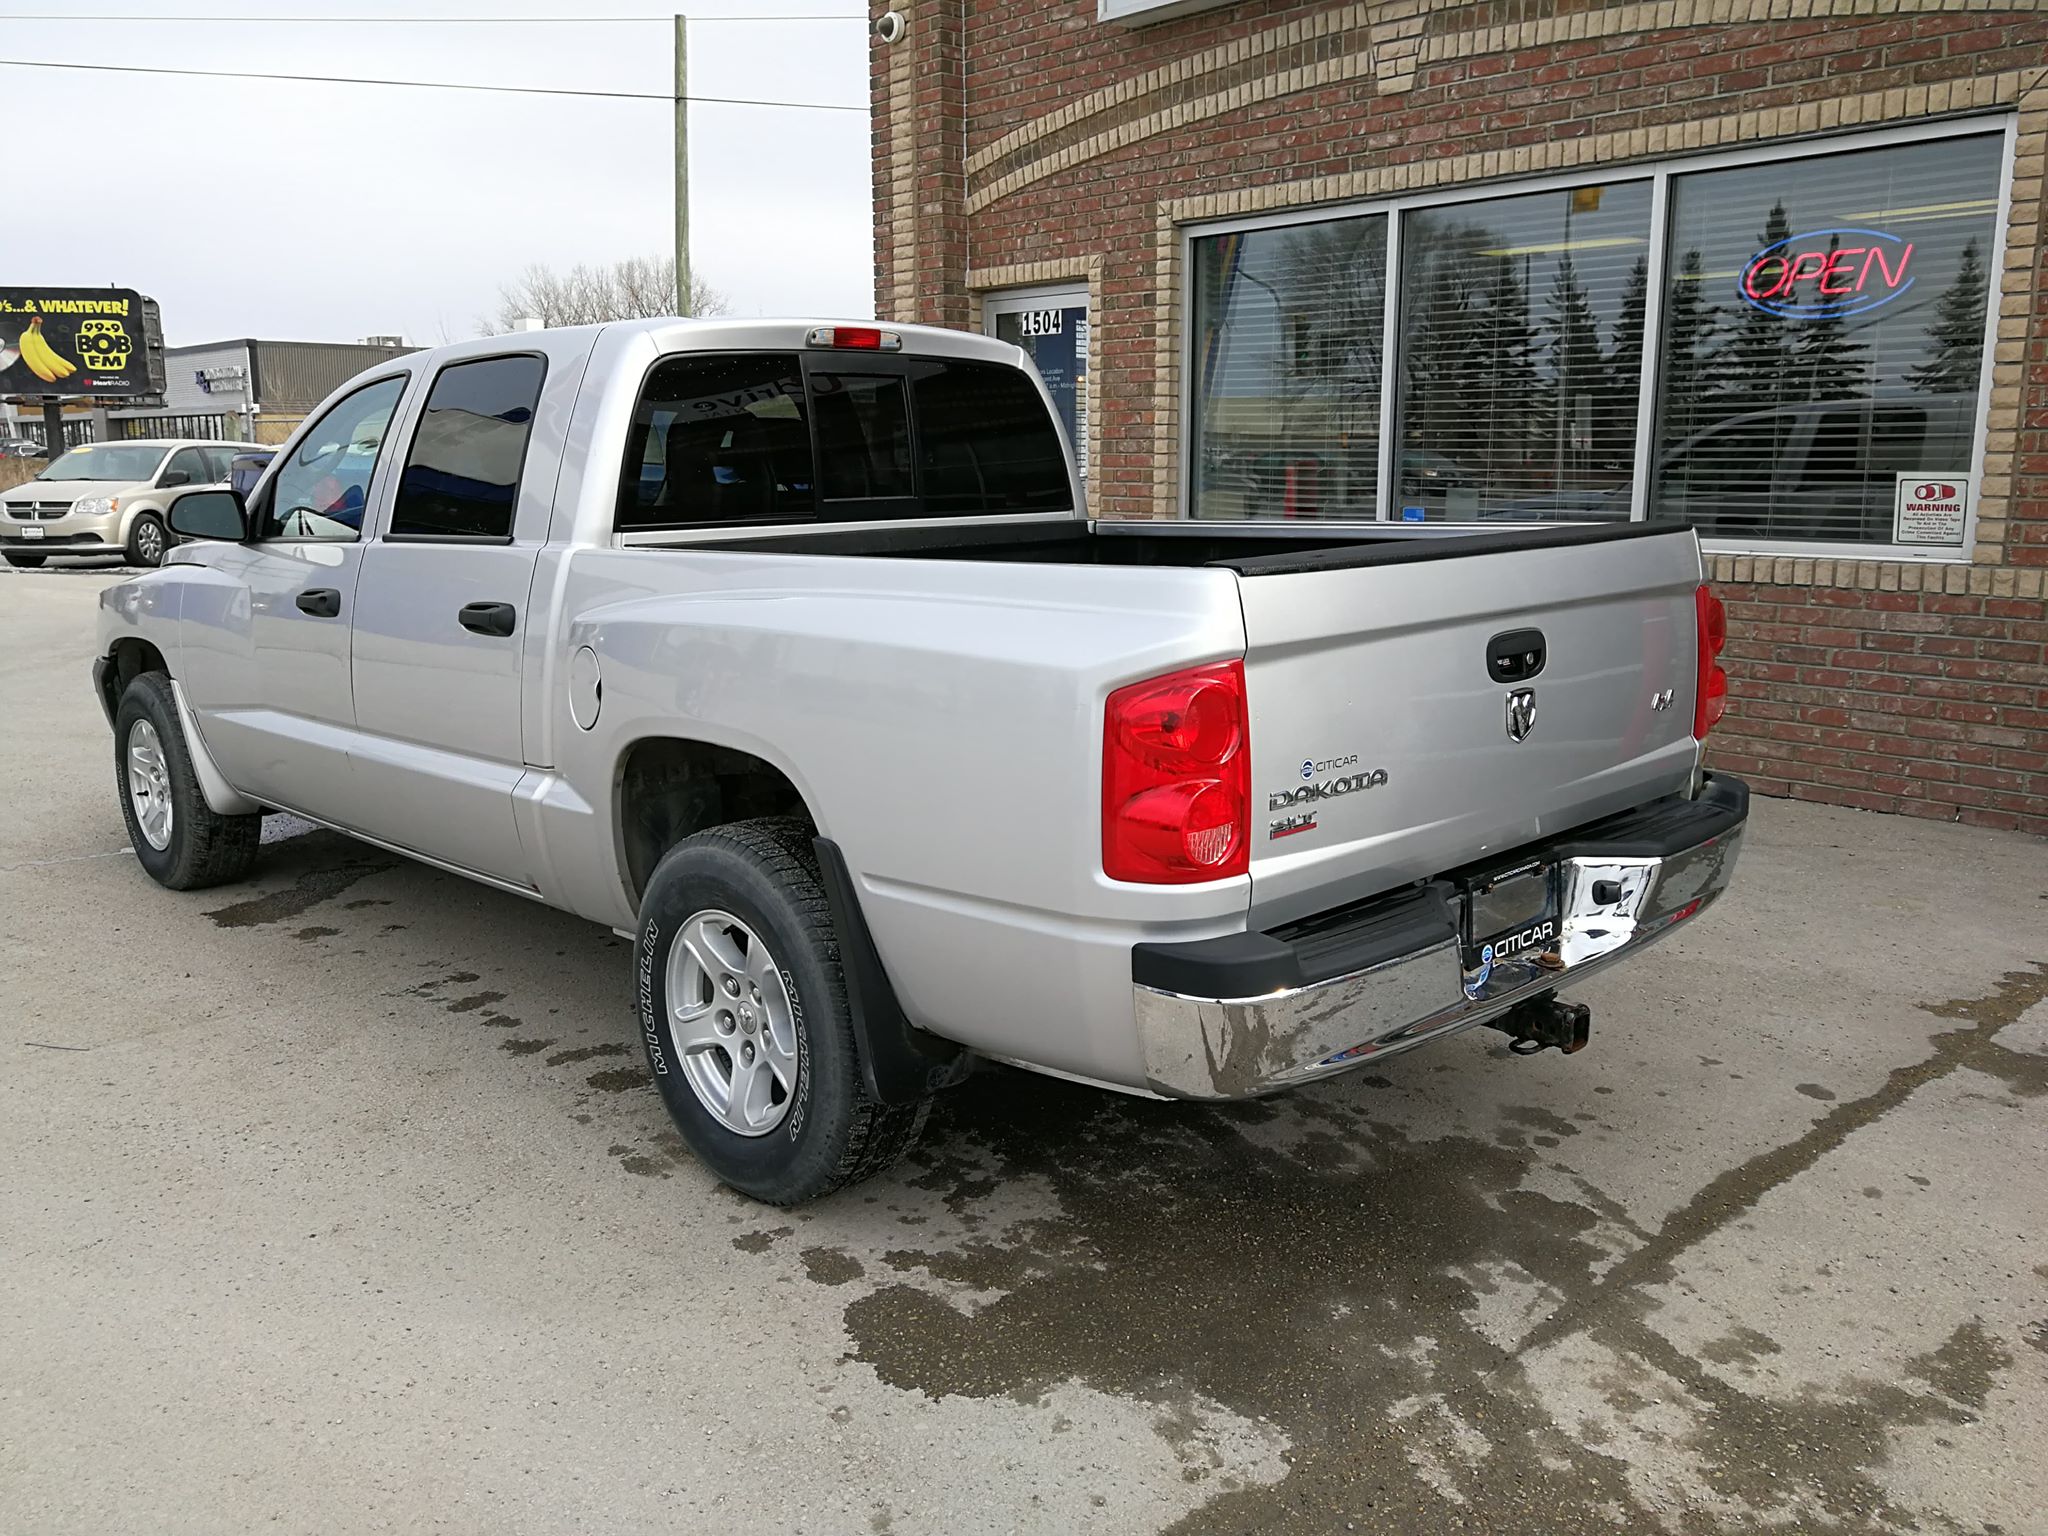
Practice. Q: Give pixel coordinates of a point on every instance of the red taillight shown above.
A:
(1710, 698)
(1177, 778)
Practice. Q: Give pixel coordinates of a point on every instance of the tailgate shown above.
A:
(1385, 747)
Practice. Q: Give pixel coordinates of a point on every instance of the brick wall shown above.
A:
(1020, 140)
(1929, 702)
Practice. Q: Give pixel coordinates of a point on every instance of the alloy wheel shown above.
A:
(732, 1021)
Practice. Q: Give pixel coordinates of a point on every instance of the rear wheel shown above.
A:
(146, 540)
(178, 838)
(25, 562)
(744, 1017)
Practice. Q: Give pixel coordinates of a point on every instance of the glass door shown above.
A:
(1051, 324)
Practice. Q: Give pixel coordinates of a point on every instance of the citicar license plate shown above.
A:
(1511, 915)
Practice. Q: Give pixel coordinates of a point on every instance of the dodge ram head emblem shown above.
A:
(1521, 713)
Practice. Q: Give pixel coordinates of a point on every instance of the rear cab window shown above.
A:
(740, 439)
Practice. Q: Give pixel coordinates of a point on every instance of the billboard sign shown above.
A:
(100, 342)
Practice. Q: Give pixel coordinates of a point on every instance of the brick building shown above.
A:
(1773, 266)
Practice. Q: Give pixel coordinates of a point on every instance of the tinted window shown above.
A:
(718, 439)
(863, 436)
(462, 474)
(190, 463)
(985, 442)
(322, 489)
(245, 469)
(1834, 308)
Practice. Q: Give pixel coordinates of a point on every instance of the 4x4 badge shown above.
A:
(1521, 713)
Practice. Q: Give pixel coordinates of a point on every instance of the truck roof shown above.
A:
(671, 334)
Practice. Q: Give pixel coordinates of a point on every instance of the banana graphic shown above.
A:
(42, 361)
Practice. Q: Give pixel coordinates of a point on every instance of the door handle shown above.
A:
(321, 602)
(489, 618)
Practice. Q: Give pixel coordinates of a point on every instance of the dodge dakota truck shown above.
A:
(789, 650)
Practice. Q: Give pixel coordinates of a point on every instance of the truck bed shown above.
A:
(1250, 549)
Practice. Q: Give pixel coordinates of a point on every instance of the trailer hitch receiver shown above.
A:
(1543, 1022)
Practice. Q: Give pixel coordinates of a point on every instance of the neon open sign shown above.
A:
(1826, 272)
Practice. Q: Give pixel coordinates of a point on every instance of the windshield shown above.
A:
(107, 461)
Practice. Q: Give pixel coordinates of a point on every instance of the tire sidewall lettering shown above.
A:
(803, 1056)
(650, 946)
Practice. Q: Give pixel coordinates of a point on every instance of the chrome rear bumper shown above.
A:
(1656, 868)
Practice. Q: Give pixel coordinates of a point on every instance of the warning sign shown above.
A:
(1932, 509)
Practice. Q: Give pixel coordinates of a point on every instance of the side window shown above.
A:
(321, 491)
(245, 469)
(461, 476)
(217, 462)
(716, 439)
(863, 436)
(191, 464)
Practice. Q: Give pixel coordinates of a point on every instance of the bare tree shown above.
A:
(637, 288)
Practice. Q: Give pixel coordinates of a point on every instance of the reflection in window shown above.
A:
(1288, 338)
(1827, 315)
(718, 439)
(325, 484)
(985, 442)
(863, 436)
(462, 473)
(1521, 355)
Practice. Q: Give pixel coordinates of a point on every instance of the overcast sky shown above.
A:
(330, 212)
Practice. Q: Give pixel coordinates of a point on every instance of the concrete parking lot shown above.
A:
(337, 1201)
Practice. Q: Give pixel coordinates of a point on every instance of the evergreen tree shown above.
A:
(1575, 366)
(1956, 338)
(1437, 361)
(1824, 359)
(1753, 366)
(1615, 430)
(1689, 325)
(1505, 357)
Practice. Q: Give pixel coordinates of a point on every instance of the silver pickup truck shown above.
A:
(789, 650)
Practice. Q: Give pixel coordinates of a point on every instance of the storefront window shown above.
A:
(1823, 337)
(1287, 365)
(1812, 348)
(1521, 354)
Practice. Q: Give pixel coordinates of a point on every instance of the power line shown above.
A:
(426, 85)
(434, 21)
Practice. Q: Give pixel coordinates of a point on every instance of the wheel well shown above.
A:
(670, 788)
(131, 659)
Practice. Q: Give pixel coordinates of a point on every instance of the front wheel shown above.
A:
(744, 1016)
(25, 562)
(147, 541)
(180, 840)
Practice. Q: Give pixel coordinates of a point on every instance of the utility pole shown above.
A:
(682, 165)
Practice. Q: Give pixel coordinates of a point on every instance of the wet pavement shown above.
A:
(338, 1200)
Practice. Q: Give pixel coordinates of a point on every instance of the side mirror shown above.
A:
(210, 515)
(175, 477)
